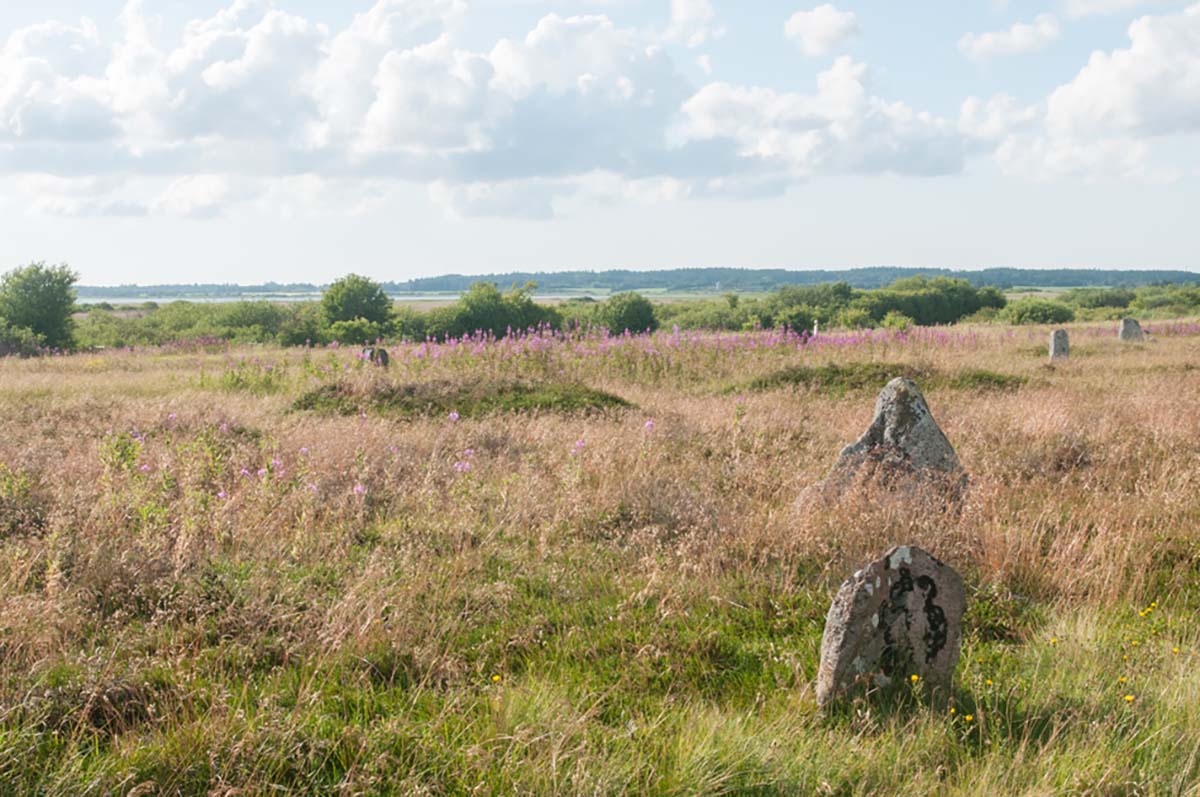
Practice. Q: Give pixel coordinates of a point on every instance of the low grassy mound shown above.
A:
(841, 378)
(468, 399)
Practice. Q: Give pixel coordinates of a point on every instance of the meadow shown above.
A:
(562, 564)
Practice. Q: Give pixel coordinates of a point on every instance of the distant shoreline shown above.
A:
(673, 282)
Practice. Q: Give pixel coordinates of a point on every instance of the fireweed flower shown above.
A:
(359, 489)
(649, 427)
(222, 495)
(579, 446)
(262, 472)
(144, 469)
(454, 415)
(245, 473)
(462, 467)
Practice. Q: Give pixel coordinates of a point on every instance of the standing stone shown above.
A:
(1131, 331)
(376, 356)
(903, 448)
(1060, 348)
(897, 617)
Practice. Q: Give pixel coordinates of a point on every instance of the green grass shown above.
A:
(566, 686)
(837, 379)
(469, 400)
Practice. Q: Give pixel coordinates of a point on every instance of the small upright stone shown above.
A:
(896, 618)
(376, 355)
(1060, 347)
(1131, 331)
(902, 450)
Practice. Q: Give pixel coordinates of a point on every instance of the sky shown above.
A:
(168, 141)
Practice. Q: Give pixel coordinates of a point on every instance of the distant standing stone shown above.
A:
(903, 447)
(897, 617)
(377, 356)
(1131, 331)
(1060, 347)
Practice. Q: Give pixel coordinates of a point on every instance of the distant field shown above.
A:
(548, 566)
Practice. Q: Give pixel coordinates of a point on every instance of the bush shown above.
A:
(1094, 298)
(353, 297)
(895, 320)
(358, 331)
(40, 298)
(19, 341)
(1038, 311)
(484, 308)
(304, 326)
(408, 324)
(628, 312)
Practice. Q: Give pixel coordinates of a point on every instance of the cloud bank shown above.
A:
(255, 102)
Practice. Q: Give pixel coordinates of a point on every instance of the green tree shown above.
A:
(628, 311)
(354, 297)
(40, 298)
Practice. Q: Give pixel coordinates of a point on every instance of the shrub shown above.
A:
(303, 326)
(40, 298)
(1093, 298)
(19, 341)
(1038, 311)
(358, 331)
(628, 311)
(896, 320)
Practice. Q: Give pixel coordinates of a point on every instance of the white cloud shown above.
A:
(1150, 88)
(692, 22)
(1114, 117)
(841, 129)
(1020, 38)
(199, 196)
(1083, 8)
(254, 106)
(819, 31)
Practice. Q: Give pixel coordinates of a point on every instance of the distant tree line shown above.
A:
(357, 310)
(38, 312)
(715, 280)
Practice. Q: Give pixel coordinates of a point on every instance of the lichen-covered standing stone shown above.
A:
(1060, 347)
(377, 356)
(897, 617)
(1131, 331)
(902, 448)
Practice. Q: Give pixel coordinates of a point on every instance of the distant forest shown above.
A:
(680, 279)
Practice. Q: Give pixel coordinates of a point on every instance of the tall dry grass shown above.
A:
(192, 573)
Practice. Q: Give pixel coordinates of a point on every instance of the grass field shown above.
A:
(578, 567)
